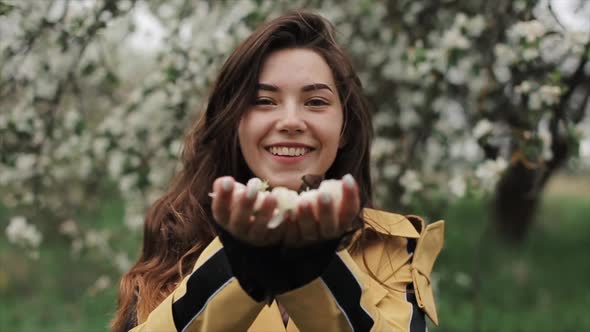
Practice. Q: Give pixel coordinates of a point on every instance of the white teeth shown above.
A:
(285, 151)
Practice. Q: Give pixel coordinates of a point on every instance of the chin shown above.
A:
(291, 182)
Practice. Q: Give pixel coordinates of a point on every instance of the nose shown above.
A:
(291, 121)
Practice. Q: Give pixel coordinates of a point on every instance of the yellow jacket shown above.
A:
(344, 298)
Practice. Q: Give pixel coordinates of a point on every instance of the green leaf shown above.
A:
(88, 69)
(454, 56)
(5, 8)
(111, 78)
(172, 73)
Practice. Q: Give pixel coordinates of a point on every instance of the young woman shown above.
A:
(288, 108)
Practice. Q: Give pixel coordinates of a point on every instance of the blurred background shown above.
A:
(481, 113)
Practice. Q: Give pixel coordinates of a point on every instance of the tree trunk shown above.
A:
(520, 190)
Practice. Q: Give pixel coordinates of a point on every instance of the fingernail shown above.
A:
(252, 190)
(226, 184)
(325, 197)
(254, 182)
(348, 181)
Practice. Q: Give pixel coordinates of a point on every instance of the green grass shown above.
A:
(540, 285)
(482, 284)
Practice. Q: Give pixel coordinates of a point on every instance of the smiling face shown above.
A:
(293, 127)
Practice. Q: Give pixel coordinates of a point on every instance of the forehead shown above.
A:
(295, 67)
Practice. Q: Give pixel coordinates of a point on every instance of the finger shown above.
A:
(326, 216)
(292, 236)
(350, 204)
(275, 235)
(308, 226)
(241, 210)
(258, 232)
(222, 194)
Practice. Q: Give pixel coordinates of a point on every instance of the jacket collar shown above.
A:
(390, 223)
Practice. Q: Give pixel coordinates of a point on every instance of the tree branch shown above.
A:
(578, 77)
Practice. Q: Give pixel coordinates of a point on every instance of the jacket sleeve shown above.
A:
(203, 298)
(346, 298)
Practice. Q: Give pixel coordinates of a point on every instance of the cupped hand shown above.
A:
(322, 218)
(233, 208)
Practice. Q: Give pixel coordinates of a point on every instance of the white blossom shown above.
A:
(505, 54)
(408, 118)
(457, 186)
(122, 261)
(116, 163)
(550, 94)
(576, 41)
(175, 147)
(128, 182)
(410, 181)
(69, 227)
(97, 239)
(585, 151)
(529, 54)
(382, 147)
(286, 199)
(461, 20)
(21, 232)
(524, 87)
(528, 30)
(482, 128)
(334, 189)
(71, 119)
(84, 167)
(103, 282)
(502, 73)
(383, 118)
(489, 172)
(434, 154)
(454, 39)
(476, 25)
(463, 279)
(535, 101)
(158, 176)
(134, 222)
(546, 138)
(77, 246)
(25, 163)
(391, 170)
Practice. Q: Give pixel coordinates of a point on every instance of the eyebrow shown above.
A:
(306, 88)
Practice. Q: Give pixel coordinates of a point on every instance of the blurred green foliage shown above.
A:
(481, 283)
(540, 285)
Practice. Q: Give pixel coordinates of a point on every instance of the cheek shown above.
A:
(331, 142)
(251, 129)
(335, 133)
(246, 130)
(241, 136)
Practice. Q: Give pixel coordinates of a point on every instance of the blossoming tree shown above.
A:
(468, 96)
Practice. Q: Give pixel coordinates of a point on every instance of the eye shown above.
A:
(317, 102)
(264, 102)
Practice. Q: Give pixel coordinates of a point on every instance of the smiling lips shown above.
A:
(289, 153)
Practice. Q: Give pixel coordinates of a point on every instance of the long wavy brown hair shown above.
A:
(179, 225)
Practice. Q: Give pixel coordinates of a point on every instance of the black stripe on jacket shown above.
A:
(201, 286)
(347, 292)
(418, 321)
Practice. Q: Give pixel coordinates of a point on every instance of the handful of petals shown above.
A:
(288, 200)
